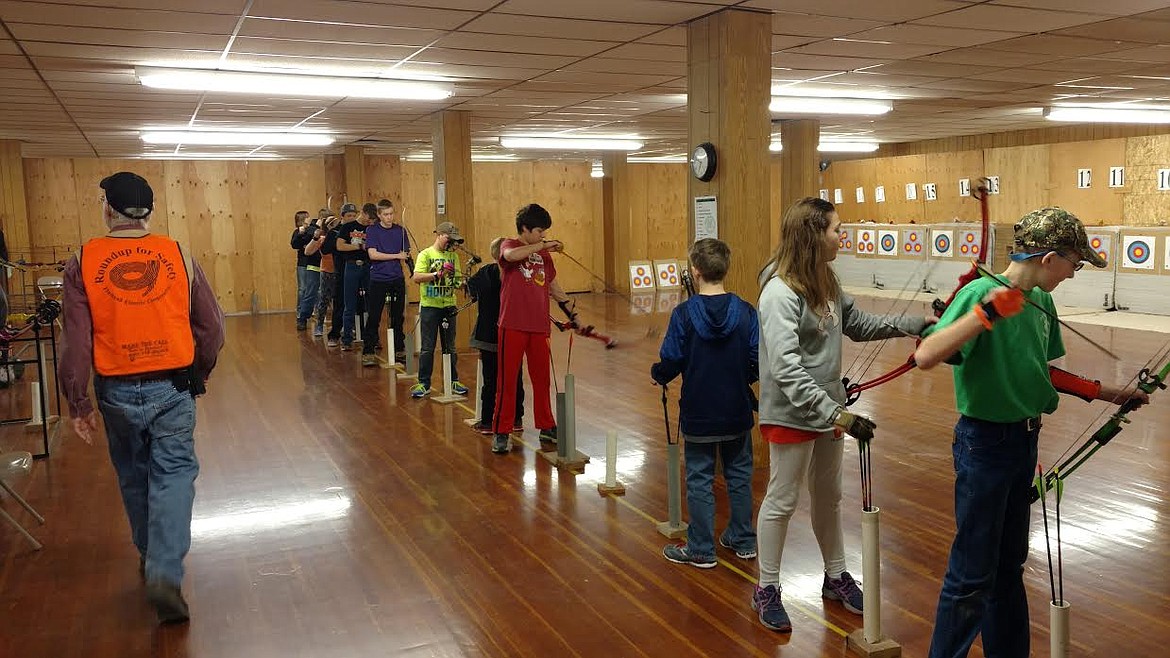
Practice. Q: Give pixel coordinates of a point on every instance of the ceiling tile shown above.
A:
(653, 12)
(865, 49)
(935, 36)
(336, 32)
(992, 17)
(361, 13)
(819, 26)
(494, 23)
(534, 45)
(887, 11)
(1115, 8)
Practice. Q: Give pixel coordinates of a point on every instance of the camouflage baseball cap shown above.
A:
(1056, 229)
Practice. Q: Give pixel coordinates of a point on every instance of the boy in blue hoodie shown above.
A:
(713, 342)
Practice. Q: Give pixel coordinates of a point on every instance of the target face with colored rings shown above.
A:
(888, 242)
(1138, 252)
(942, 243)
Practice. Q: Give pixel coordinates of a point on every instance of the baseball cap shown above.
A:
(348, 207)
(129, 194)
(450, 230)
(1056, 229)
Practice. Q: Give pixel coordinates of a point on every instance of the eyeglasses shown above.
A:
(1076, 263)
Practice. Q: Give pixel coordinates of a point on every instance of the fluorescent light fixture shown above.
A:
(290, 84)
(570, 143)
(797, 105)
(211, 156)
(427, 156)
(236, 138)
(833, 147)
(1108, 114)
(657, 158)
(847, 147)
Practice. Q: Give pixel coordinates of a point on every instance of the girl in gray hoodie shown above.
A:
(803, 315)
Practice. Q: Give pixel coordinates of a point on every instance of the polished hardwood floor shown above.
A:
(336, 516)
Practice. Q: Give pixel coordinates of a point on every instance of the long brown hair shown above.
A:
(800, 258)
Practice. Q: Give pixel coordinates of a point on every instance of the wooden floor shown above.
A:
(338, 517)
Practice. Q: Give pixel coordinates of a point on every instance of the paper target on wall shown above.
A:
(641, 275)
(1102, 244)
(942, 243)
(845, 239)
(912, 243)
(887, 243)
(866, 241)
(1137, 252)
(668, 274)
(970, 244)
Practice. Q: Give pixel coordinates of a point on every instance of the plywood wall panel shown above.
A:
(893, 174)
(1144, 204)
(945, 170)
(1023, 179)
(1099, 204)
(275, 191)
(659, 206)
(383, 178)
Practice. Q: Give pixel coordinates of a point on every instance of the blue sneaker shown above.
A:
(766, 602)
(458, 388)
(845, 590)
(742, 553)
(681, 554)
(419, 390)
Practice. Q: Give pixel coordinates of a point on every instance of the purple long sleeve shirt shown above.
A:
(75, 362)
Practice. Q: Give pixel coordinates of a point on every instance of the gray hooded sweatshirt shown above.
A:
(800, 354)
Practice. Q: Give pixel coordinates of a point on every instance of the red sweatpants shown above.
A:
(514, 346)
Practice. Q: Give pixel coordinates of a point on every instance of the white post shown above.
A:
(871, 574)
(390, 348)
(448, 395)
(1058, 629)
(38, 418)
(611, 458)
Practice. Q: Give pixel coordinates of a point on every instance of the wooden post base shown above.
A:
(573, 463)
(672, 531)
(618, 489)
(886, 648)
(448, 399)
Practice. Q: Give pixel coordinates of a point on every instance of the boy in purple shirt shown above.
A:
(388, 246)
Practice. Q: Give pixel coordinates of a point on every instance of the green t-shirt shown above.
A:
(439, 293)
(1002, 375)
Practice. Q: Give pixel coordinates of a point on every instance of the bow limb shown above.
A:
(1147, 381)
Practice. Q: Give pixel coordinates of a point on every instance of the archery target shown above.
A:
(866, 241)
(845, 241)
(887, 243)
(641, 277)
(912, 242)
(1137, 252)
(1101, 243)
(970, 244)
(667, 273)
(942, 243)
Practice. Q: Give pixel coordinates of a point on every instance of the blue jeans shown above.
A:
(430, 322)
(150, 426)
(325, 295)
(983, 590)
(307, 282)
(356, 278)
(737, 473)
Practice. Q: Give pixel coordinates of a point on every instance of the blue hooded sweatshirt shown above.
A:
(713, 342)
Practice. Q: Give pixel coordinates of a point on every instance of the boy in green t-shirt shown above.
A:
(1000, 349)
(437, 268)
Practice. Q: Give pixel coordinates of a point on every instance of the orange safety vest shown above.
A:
(139, 298)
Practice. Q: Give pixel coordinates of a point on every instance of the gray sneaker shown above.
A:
(168, 602)
(502, 444)
(741, 553)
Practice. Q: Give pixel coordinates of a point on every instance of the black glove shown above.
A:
(859, 427)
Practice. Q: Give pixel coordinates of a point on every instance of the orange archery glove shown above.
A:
(999, 303)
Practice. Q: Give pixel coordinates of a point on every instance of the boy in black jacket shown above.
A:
(713, 342)
(484, 288)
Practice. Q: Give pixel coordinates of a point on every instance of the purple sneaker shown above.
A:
(845, 590)
(766, 602)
